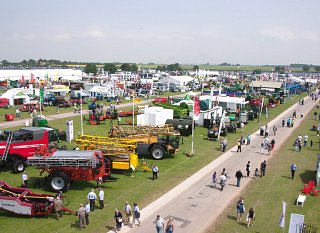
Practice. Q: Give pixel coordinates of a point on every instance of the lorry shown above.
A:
(17, 146)
(155, 142)
(65, 166)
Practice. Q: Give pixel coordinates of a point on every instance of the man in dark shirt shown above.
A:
(239, 177)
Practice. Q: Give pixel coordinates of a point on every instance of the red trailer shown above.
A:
(67, 166)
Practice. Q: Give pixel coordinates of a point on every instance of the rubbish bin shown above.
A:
(9, 117)
(39, 122)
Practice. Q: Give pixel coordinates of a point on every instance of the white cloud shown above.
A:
(278, 33)
(95, 34)
(310, 36)
(61, 36)
(29, 36)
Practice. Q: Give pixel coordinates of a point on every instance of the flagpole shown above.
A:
(192, 142)
(81, 120)
(133, 110)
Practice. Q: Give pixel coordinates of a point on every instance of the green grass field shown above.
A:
(139, 188)
(266, 195)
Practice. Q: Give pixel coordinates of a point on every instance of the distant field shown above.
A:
(211, 67)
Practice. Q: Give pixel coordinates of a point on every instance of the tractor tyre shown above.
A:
(19, 166)
(58, 181)
(157, 152)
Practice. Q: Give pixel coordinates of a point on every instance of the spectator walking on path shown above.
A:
(248, 168)
(81, 214)
(136, 215)
(214, 179)
(239, 146)
(118, 219)
(128, 212)
(263, 167)
(294, 115)
(249, 139)
(273, 142)
(101, 198)
(223, 180)
(239, 176)
(275, 129)
(256, 173)
(240, 209)
(159, 224)
(92, 199)
(293, 169)
(155, 171)
(170, 227)
(251, 217)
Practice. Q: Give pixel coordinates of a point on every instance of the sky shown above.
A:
(246, 32)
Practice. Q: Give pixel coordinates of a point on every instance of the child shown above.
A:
(256, 173)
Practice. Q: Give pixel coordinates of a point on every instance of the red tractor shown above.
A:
(17, 146)
(67, 166)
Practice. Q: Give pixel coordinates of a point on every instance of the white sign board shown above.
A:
(69, 130)
(296, 222)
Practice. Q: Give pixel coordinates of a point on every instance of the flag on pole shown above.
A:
(283, 215)
(31, 77)
(22, 78)
(41, 95)
(196, 108)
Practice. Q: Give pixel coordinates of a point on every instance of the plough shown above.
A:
(23, 201)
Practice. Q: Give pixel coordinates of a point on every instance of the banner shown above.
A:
(41, 95)
(196, 108)
(283, 215)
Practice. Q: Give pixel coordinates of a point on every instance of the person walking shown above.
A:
(275, 129)
(248, 168)
(293, 169)
(159, 224)
(305, 140)
(58, 207)
(256, 173)
(155, 171)
(81, 214)
(263, 167)
(87, 207)
(273, 142)
(251, 217)
(214, 179)
(239, 146)
(25, 179)
(240, 209)
(101, 198)
(239, 176)
(118, 219)
(170, 226)
(136, 215)
(128, 212)
(223, 180)
(92, 197)
(248, 139)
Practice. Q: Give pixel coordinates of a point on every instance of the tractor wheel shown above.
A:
(19, 166)
(58, 181)
(157, 152)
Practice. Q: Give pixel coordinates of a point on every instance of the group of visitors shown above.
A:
(240, 208)
(121, 220)
(161, 227)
